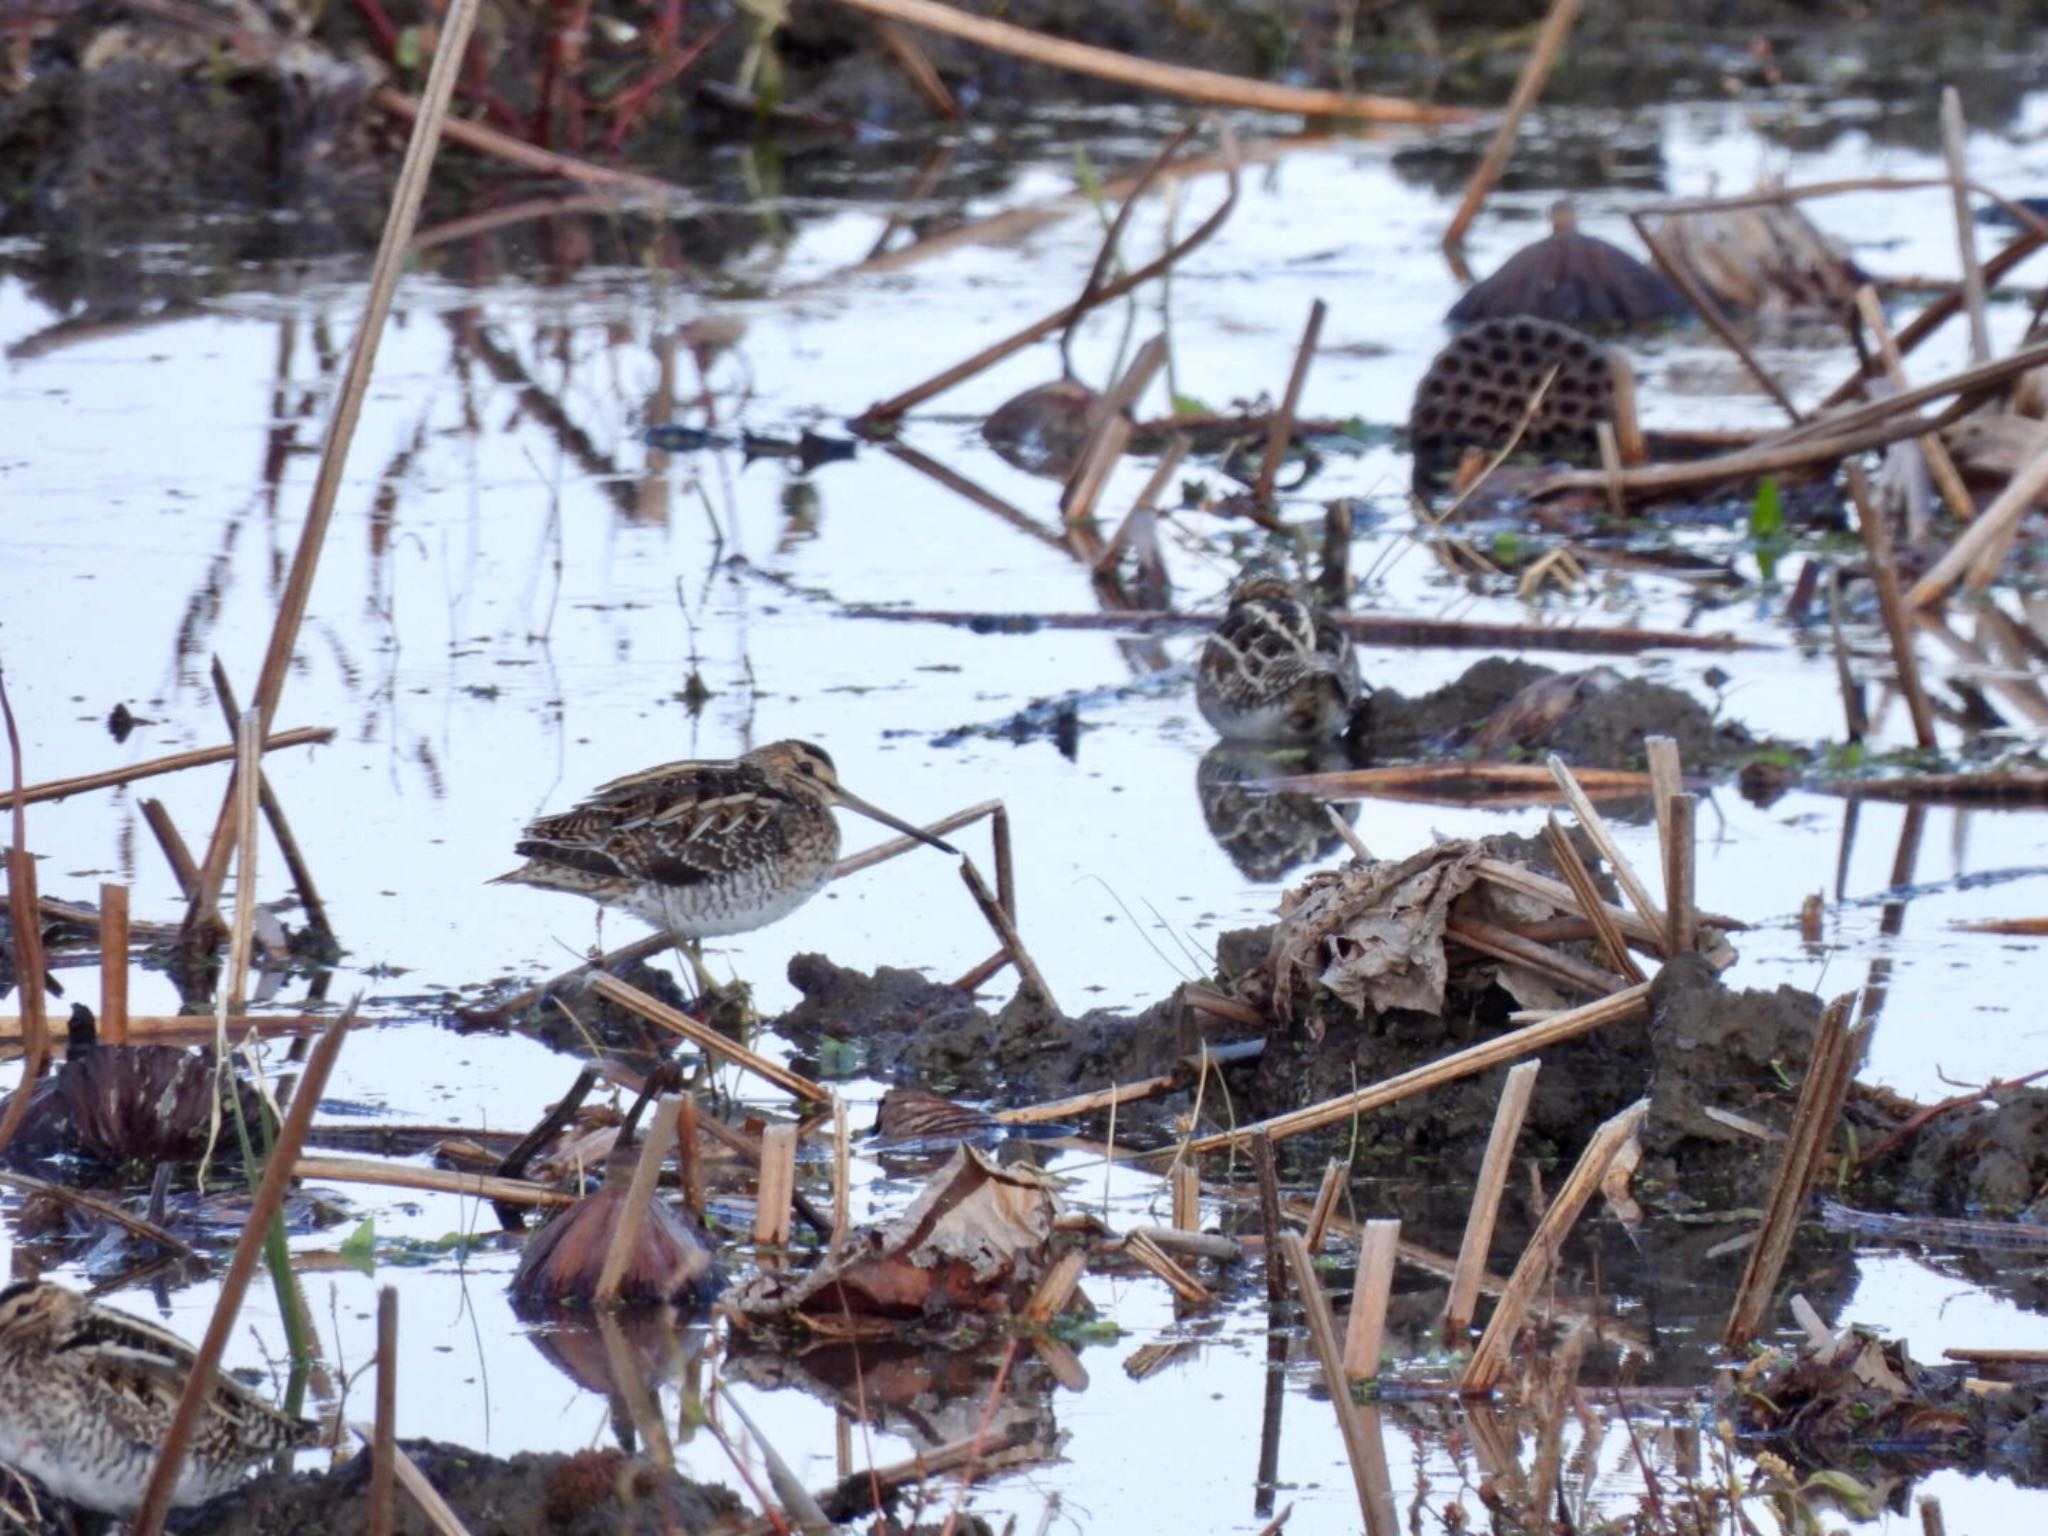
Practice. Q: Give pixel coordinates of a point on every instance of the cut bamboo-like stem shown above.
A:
(1489, 1360)
(1267, 1170)
(1877, 540)
(1613, 945)
(440, 1514)
(1280, 430)
(1596, 827)
(1327, 1194)
(707, 1039)
(1056, 1287)
(1508, 1116)
(1814, 1121)
(249, 737)
(1516, 877)
(1529, 85)
(881, 853)
(842, 1173)
(384, 1439)
(1953, 151)
(1322, 1332)
(1350, 783)
(777, 1185)
(1112, 434)
(1186, 1182)
(445, 1181)
(192, 1028)
(1371, 1288)
(1006, 931)
(1679, 850)
(909, 57)
(273, 813)
(1931, 1522)
(1686, 282)
(1501, 944)
(1941, 465)
(29, 979)
(113, 963)
(176, 762)
(183, 869)
(661, 1135)
(1992, 528)
(1667, 778)
(200, 1382)
(1626, 1004)
(689, 1155)
(1149, 1254)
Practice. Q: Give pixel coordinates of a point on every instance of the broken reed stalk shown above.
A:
(1056, 1287)
(1529, 85)
(1201, 85)
(1931, 1523)
(1814, 1122)
(263, 1207)
(1105, 446)
(1490, 1358)
(176, 762)
(971, 491)
(273, 813)
(1952, 150)
(1684, 280)
(661, 1135)
(1941, 465)
(1667, 780)
(1113, 237)
(1322, 1332)
(384, 1437)
(1626, 1004)
(1855, 719)
(707, 1039)
(249, 737)
(1096, 1099)
(1877, 541)
(842, 1173)
(1280, 430)
(197, 1029)
(1991, 531)
(1185, 1180)
(103, 1210)
(1136, 527)
(689, 1160)
(1606, 932)
(1680, 851)
(1491, 939)
(1141, 1249)
(1515, 877)
(1265, 1166)
(886, 411)
(916, 67)
(444, 1181)
(777, 1185)
(895, 847)
(626, 954)
(1327, 1194)
(1372, 1286)
(1352, 782)
(438, 1511)
(1508, 1115)
(456, 28)
(1618, 865)
(26, 929)
(113, 963)
(184, 871)
(1005, 930)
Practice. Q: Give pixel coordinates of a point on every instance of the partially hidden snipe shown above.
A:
(86, 1394)
(1276, 669)
(703, 848)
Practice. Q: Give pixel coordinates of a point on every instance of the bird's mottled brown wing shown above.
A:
(677, 825)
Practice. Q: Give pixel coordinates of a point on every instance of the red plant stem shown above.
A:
(382, 27)
(627, 104)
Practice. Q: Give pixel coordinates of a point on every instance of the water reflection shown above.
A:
(1268, 833)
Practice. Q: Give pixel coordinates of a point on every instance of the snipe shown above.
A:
(1276, 669)
(86, 1394)
(703, 848)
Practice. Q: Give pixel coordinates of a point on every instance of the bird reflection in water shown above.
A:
(1268, 832)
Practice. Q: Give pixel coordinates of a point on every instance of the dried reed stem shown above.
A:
(1952, 150)
(777, 1185)
(1680, 850)
(249, 737)
(456, 27)
(707, 1039)
(1596, 827)
(26, 929)
(196, 1029)
(1489, 1360)
(1542, 59)
(1327, 1194)
(1941, 465)
(1185, 1179)
(1931, 1523)
(437, 1509)
(263, 1207)
(1629, 442)
(444, 1181)
(1372, 1286)
(1687, 283)
(842, 1173)
(895, 847)
(1280, 430)
(1626, 1004)
(384, 1437)
(1606, 931)
(1322, 1332)
(1098, 1099)
(1147, 75)
(1105, 446)
(1345, 783)
(1515, 877)
(1814, 1122)
(689, 1157)
(176, 762)
(661, 1135)
(103, 1210)
(1145, 508)
(1005, 930)
(1144, 1251)
(1992, 529)
(1491, 939)
(1508, 1115)
(273, 812)
(1266, 1168)
(113, 963)
(1667, 780)
(1877, 540)
(908, 55)
(1056, 1288)
(183, 869)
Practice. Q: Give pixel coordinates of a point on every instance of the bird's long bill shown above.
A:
(876, 813)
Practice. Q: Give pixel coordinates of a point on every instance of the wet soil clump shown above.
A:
(591, 1493)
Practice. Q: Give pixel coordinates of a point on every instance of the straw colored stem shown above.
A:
(1491, 939)
(975, 979)
(1489, 1360)
(842, 1173)
(1953, 151)
(1327, 1194)
(1005, 930)
(881, 853)
(273, 813)
(1603, 839)
(1990, 531)
(707, 1039)
(1508, 1116)
(101, 1209)
(263, 1208)
(1201, 85)
(1529, 85)
(1056, 1288)
(1351, 783)
(1626, 1004)
(438, 1511)
(384, 1437)
(1107, 442)
(28, 975)
(1877, 540)
(1703, 304)
(442, 1181)
(688, 1155)
(1185, 1179)
(1322, 1332)
(980, 495)
(661, 1135)
(1941, 465)
(1266, 1167)
(1080, 1104)
(183, 868)
(1371, 1287)
(1281, 428)
(192, 1028)
(915, 64)
(777, 1185)
(249, 736)
(113, 963)
(1667, 779)
(176, 762)
(1814, 1122)
(1145, 508)
(1679, 853)
(1142, 1250)
(1606, 931)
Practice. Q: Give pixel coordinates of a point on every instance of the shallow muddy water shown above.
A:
(516, 593)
